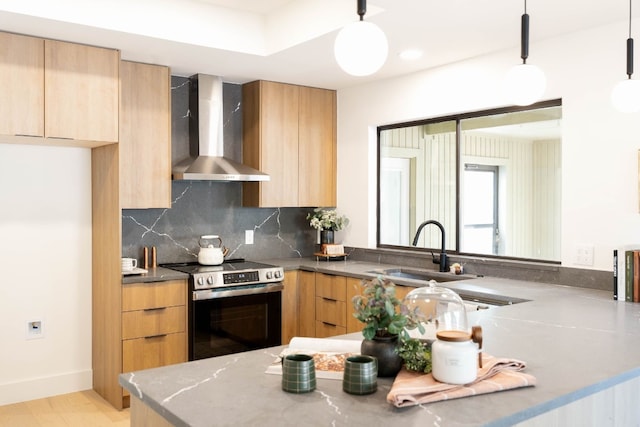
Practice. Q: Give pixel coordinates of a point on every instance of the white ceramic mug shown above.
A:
(129, 264)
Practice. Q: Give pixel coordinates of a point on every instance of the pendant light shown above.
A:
(525, 83)
(361, 47)
(626, 93)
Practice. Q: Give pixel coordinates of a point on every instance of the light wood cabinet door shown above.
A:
(290, 327)
(331, 287)
(81, 92)
(354, 287)
(307, 303)
(154, 325)
(317, 147)
(331, 309)
(324, 330)
(145, 136)
(153, 352)
(21, 85)
(153, 322)
(289, 132)
(270, 142)
(402, 291)
(141, 296)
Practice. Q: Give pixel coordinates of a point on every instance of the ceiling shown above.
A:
(292, 40)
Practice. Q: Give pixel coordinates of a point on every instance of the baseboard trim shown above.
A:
(38, 388)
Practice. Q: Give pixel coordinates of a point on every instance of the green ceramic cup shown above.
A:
(298, 373)
(360, 375)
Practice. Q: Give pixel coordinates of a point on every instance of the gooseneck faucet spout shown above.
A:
(444, 261)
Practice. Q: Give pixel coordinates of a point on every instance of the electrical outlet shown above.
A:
(248, 237)
(584, 255)
(35, 329)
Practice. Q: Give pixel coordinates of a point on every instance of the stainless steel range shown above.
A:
(233, 307)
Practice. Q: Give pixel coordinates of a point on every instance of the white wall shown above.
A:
(45, 270)
(599, 144)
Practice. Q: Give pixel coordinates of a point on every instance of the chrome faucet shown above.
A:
(444, 261)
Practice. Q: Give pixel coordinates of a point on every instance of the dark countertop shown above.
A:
(577, 342)
(158, 274)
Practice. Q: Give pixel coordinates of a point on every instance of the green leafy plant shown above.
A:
(416, 355)
(323, 219)
(378, 308)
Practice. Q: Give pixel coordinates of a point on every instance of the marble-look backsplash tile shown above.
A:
(207, 207)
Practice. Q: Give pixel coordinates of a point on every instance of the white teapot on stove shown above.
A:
(211, 250)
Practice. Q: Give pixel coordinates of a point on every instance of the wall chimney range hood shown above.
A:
(207, 161)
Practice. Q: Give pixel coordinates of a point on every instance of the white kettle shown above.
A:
(211, 250)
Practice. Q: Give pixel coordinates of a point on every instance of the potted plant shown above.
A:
(387, 321)
(385, 318)
(327, 221)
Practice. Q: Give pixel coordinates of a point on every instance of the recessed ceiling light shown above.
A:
(411, 54)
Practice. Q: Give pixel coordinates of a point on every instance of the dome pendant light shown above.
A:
(525, 83)
(626, 94)
(361, 47)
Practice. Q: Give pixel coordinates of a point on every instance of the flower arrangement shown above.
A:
(323, 219)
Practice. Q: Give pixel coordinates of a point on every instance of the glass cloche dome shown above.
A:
(436, 309)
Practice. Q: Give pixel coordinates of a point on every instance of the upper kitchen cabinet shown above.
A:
(57, 93)
(21, 85)
(145, 136)
(317, 147)
(81, 92)
(289, 132)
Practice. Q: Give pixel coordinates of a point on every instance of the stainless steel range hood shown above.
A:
(207, 161)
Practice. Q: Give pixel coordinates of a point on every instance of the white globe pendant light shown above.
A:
(525, 83)
(625, 96)
(361, 47)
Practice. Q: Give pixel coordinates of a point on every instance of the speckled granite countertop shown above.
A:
(575, 341)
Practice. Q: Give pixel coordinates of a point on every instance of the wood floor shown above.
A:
(81, 409)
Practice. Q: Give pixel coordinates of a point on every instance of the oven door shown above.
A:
(234, 320)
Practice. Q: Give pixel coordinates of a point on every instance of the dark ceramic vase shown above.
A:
(383, 349)
(327, 237)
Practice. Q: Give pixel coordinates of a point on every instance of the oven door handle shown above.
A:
(206, 294)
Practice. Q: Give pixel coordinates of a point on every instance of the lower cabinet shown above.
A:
(154, 326)
(324, 306)
(290, 311)
(331, 306)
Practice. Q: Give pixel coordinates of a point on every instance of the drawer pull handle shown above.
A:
(329, 299)
(155, 336)
(330, 324)
(155, 308)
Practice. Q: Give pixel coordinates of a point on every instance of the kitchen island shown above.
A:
(583, 348)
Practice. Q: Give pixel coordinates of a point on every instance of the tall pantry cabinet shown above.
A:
(289, 132)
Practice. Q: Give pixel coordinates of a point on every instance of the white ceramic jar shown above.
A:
(454, 357)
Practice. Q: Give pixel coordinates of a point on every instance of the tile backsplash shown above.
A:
(208, 207)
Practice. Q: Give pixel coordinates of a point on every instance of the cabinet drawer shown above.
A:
(139, 296)
(150, 322)
(146, 353)
(331, 287)
(324, 330)
(331, 311)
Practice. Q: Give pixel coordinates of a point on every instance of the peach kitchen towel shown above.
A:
(496, 374)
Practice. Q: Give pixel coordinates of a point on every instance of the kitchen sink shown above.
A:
(407, 273)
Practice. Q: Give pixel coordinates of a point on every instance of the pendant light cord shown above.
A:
(629, 18)
(524, 35)
(630, 47)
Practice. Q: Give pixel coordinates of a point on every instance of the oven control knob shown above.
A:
(277, 274)
(269, 275)
(200, 281)
(210, 280)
